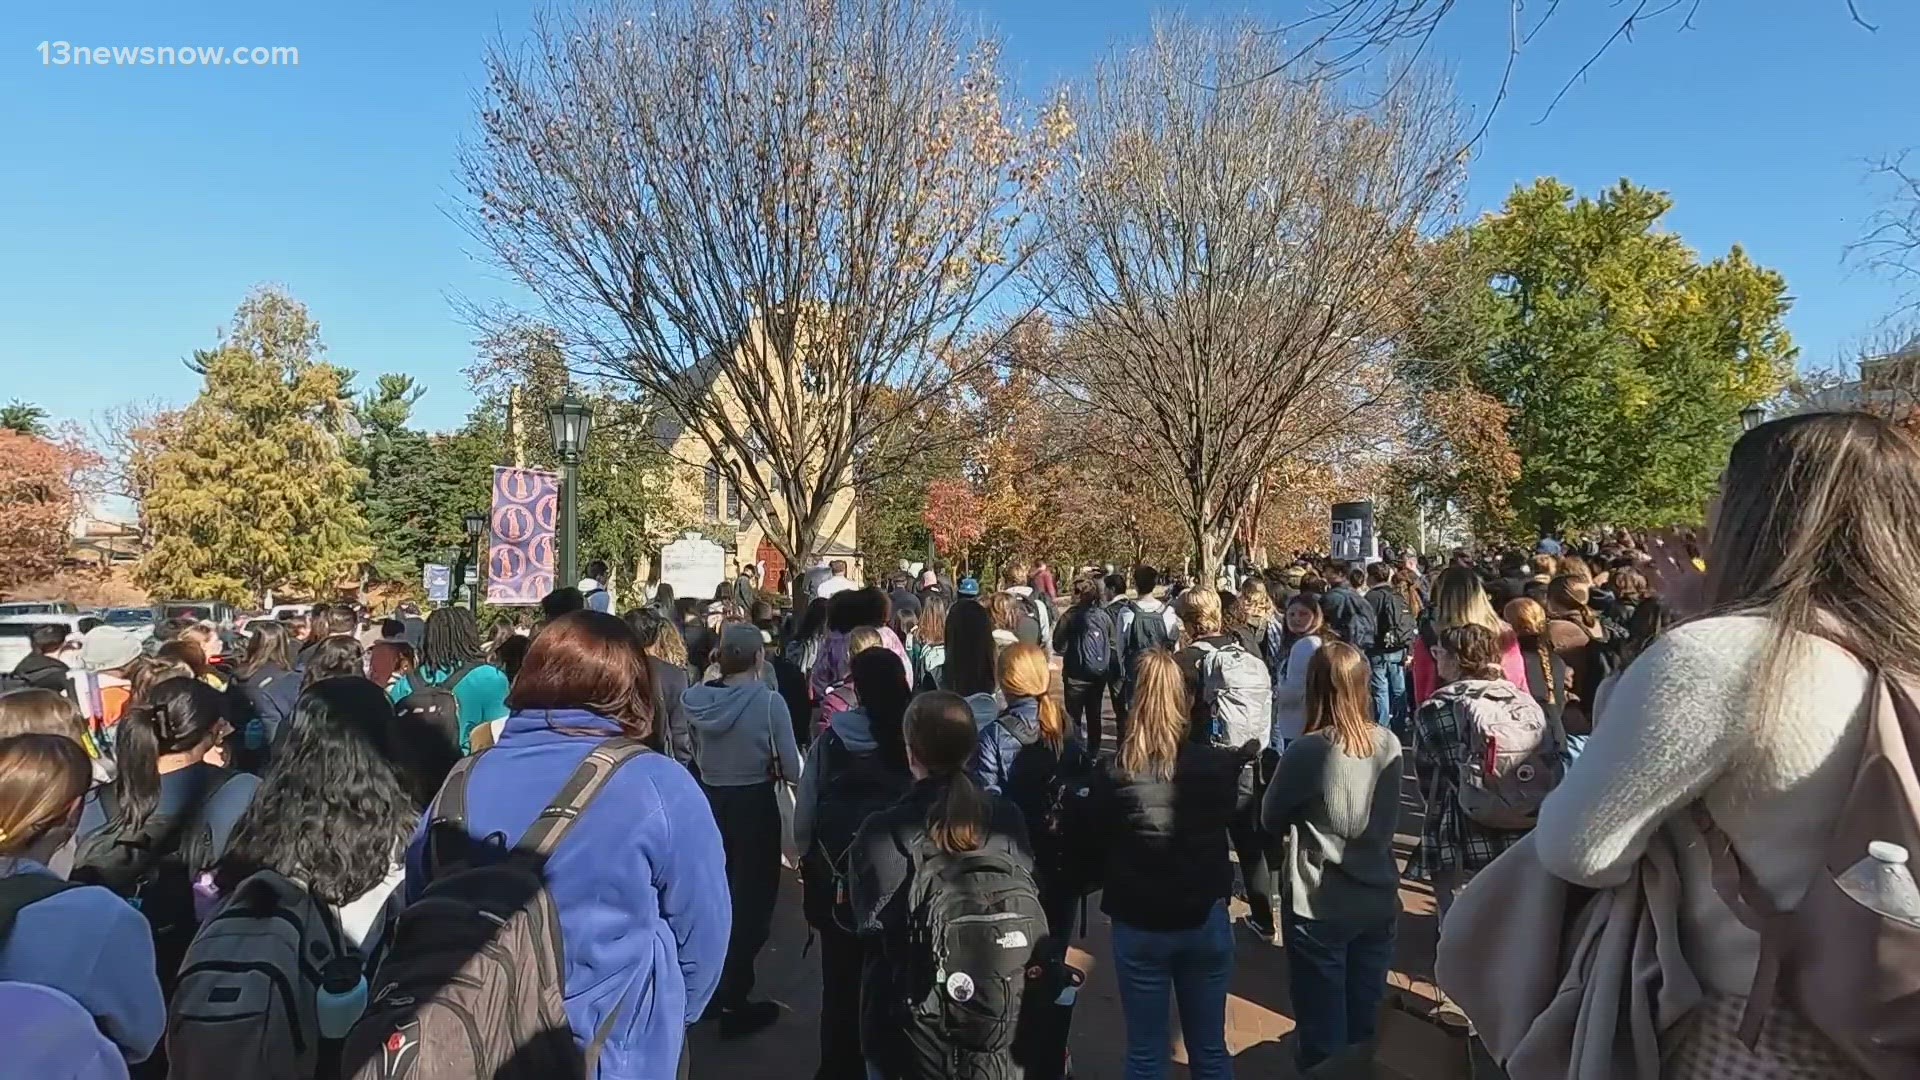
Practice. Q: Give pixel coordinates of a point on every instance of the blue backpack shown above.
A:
(1089, 644)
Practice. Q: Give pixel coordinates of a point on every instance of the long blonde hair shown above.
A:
(1025, 673)
(1157, 723)
(42, 776)
(1339, 698)
(1815, 531)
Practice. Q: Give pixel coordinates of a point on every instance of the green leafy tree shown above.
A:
(398, 495)
(24, 418)
(253, 490)
(1621, 360)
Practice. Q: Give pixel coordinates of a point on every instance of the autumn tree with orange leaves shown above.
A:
(44, 484)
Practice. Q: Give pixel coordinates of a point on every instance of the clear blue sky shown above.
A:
(139, 204)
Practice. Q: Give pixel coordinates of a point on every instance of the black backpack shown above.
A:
(1060, 818)
(852, 786)
(154, 869)
(433, 705)
(974, 923)
(1394, 629)
(1147, 631)
(1089, 641)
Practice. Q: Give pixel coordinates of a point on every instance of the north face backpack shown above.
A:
(434, 704)
(247, 1003)
(1514, 756)
(475, 968)
(852, 786)
(974, 922)
(1234, 683)
(1066, 847)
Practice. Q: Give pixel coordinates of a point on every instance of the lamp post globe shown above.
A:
(1752, 416)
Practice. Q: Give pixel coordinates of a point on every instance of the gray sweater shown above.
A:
(739, 726)
(1340, 813)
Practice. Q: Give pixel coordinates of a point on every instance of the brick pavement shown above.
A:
(1258, 1011)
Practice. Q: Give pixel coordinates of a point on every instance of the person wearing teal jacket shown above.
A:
(451, 652)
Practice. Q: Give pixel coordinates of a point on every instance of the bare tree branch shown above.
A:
(773, 218)
(1230, 267)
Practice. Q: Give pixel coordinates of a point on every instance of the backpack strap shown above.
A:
(17, 891)
(415, 683)
(578, 793)
(448, 814)
(1755, 910)
(461, 672)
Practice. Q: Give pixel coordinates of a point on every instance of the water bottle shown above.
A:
(342, 997)
(1882, 883)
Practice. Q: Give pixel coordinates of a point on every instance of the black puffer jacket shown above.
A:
(1166, 840)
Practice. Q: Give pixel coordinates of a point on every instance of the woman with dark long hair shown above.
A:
(336, 657)
(451, 656)
(83, 941)
(640, 881)
(265, 687)
(970, 668)
(1167, 801)
(857, 767)
(1336, 796)
(334, 810)
(1757, 712)
(947, 813)
(802, 646)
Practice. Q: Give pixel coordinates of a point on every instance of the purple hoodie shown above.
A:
(640, 883)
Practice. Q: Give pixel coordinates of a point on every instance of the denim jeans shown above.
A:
(1389, 672)
(1193, 968)
(1337, 974)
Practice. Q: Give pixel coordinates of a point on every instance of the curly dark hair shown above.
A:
(452, 638)
(333, 810)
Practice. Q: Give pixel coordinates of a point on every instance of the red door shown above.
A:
(776, 567)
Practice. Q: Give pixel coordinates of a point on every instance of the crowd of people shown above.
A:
(429, 850)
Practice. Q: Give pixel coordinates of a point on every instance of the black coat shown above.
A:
(1166, 840)
(42, 672)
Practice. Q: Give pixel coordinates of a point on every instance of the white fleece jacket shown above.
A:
(1678, 728)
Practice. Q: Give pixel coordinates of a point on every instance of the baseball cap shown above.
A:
(105, 648)
(968, 588)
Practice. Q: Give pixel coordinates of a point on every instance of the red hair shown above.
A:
(587, 660)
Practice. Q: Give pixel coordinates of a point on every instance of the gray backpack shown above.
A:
(475, 970)
(1235, 684)
(247, 1000)
(1514, 756)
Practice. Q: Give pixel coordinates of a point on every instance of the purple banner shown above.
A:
(526, 504)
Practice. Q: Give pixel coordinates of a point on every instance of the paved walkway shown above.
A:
(1258, 1012)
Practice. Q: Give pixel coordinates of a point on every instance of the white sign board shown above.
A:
(693, 565)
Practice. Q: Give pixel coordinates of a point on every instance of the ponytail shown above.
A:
(136, 753)
(180, 715)
(941, 739)
(1053, 722)
(957, 820)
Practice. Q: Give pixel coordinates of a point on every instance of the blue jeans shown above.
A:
(1191, 966)
(1337, 974)
(1389, 672)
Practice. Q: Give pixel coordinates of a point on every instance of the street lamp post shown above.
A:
(568, 422)
(474, 524)
(1751, 416)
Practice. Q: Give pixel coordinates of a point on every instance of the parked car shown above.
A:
(38, 607)
(15, 630)
(212, 611)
